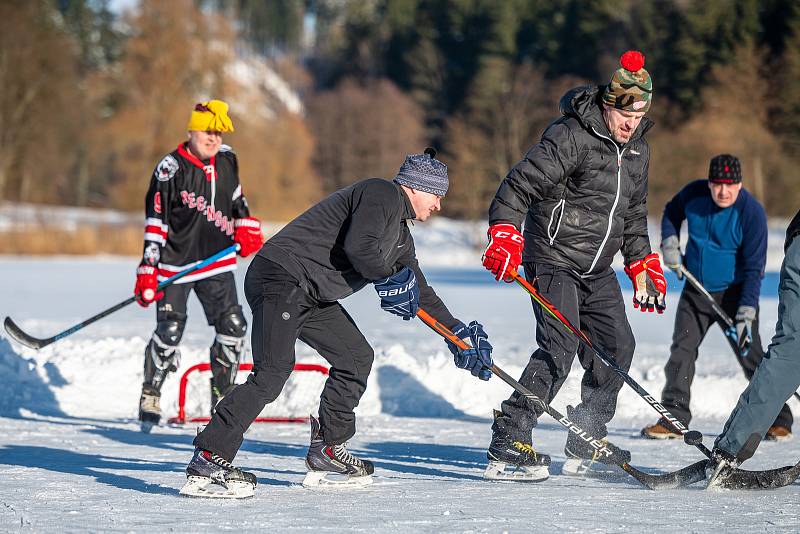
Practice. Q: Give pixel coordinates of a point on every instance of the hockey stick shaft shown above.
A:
(550, 308)
(698, 286)
(595, 443)
(37, 343)
(731, 330)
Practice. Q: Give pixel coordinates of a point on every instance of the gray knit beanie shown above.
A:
(424, 172)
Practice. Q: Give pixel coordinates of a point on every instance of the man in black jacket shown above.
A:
(582, 192)
(356, 236)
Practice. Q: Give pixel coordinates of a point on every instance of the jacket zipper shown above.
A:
(614, 205)
(558, 225)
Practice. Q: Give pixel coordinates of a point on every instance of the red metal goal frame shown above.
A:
(181, 417)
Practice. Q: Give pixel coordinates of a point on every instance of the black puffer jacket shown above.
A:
(355, 236)
(792, 231)
(583, 197)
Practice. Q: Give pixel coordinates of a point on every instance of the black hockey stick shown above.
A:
(731, 328)
(696, 472)
(694, 437)
(683, 477)
(730, 331)
(37, 343)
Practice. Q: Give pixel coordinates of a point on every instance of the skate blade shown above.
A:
(205, 487)
(326, 479)
(645, 435)
(146, 426)
(531, 473)
(577, 467)
(715, 479)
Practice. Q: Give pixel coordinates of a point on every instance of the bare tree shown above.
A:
(38, 71)
(363, 131)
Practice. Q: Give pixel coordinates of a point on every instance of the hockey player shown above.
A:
(357, 236)
(775, 379)
(582, 191)
(194, 208)
(726, 252)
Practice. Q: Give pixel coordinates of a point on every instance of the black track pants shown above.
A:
(282, 313)
(596, 307)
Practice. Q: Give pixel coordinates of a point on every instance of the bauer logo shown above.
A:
(596, 444)
(396, 291)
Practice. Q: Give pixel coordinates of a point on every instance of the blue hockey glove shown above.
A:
(478, 358)
(399, 293)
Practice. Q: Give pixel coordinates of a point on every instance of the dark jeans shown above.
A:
(282, 313)
(596, 307)
(692, 320)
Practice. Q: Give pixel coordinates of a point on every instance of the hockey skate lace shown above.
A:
(527, 449)
(222, 462)
(596, 453)
(344, 456)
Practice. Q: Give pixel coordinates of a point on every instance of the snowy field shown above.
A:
(72, 458)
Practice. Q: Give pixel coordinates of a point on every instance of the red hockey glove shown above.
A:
(504, 251)
(649, 285)
(248, 235)
(146, 289)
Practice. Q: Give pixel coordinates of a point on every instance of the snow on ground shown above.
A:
(72, 457)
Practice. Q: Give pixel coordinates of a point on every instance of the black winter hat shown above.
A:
(725, 169)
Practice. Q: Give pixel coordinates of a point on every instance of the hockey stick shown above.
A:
(683, 477)
(37, 343)
(739, 479)
(731, 330)
(692, 437)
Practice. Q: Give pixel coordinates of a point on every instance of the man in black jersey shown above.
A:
(194, 209)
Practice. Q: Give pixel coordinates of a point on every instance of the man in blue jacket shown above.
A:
(726, 252)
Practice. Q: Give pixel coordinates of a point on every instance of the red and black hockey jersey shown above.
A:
(190, 211)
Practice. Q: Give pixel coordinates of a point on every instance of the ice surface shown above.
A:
(72, 458)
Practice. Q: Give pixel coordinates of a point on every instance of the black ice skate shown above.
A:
(149, 409)
(333, 465)
(592, 458)
(514, 460)
(210, 475)
(719, 469)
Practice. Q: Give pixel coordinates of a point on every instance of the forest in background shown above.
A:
(93, 97)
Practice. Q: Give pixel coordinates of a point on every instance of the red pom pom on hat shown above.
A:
(632, 60)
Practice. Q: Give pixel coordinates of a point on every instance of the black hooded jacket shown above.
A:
(582, 196)
(356, 236)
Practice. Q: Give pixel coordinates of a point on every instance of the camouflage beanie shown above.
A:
(630, 87)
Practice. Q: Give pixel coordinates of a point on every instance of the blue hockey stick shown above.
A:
(37, 343)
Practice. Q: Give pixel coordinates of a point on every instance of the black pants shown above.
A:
(216, 293)
(596, 307)
(282, 313)
(692, 320)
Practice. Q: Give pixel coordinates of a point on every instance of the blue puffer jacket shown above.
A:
(726, 246)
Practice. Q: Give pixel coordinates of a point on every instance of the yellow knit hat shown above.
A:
(210, 116)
